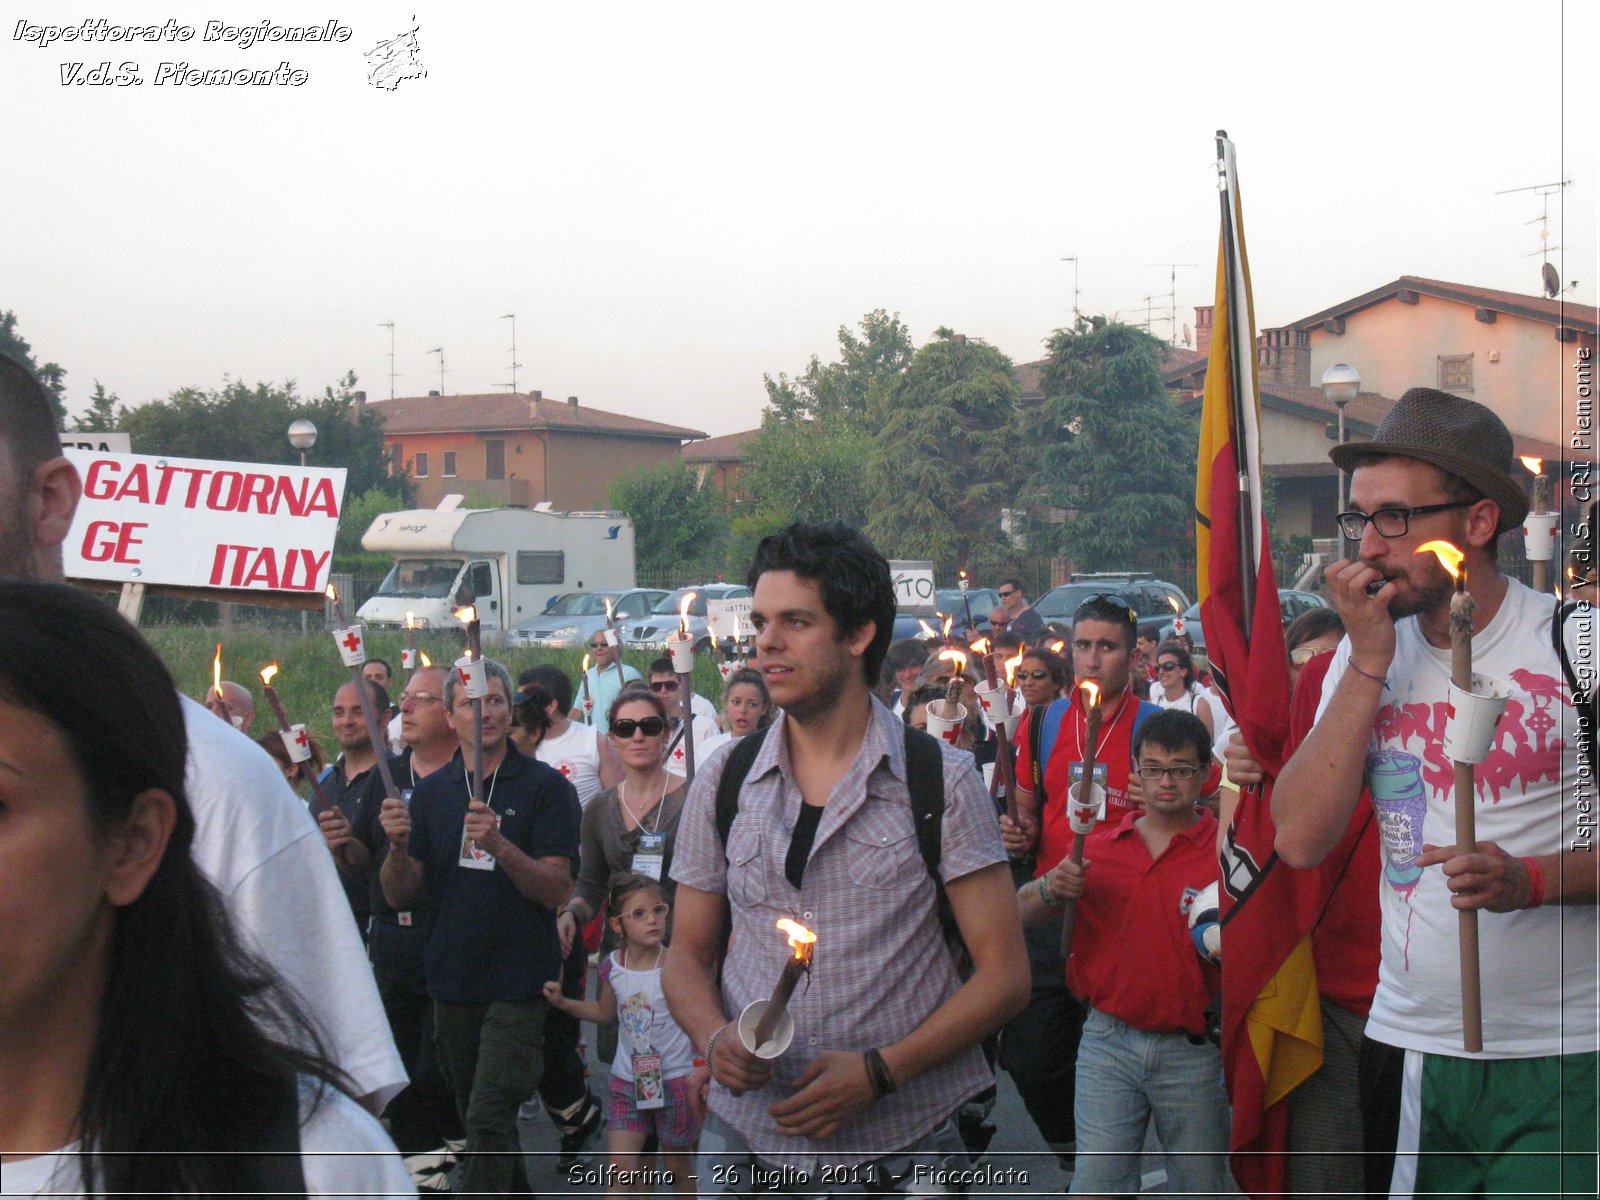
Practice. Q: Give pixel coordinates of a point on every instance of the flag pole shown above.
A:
(1237, 354)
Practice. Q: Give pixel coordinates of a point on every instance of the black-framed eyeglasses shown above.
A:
(1391, 522)
(1008, 595)
(1181, 774)
(1169, 666)
(598, 645)
(649, 726)
(664, 685)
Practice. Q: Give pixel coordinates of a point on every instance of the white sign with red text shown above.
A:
(190, 522)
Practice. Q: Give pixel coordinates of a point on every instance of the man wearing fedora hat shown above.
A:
(1439, 468)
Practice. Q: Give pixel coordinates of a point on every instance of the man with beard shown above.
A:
(495, 870)
(887, 1035)
(253, 838)
(1439, 468)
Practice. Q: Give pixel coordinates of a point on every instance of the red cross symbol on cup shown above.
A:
(950, 735)
(677, 755)
(352, 641)
(302, 739)
(465, 678)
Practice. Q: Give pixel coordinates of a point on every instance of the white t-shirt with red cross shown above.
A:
(576, 754)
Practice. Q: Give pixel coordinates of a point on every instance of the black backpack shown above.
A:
(924, 781)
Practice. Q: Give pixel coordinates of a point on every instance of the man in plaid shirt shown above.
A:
(886, 1046)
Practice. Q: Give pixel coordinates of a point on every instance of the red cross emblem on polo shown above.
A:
(352, 645)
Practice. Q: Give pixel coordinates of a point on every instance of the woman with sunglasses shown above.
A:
(1177, 687)
(1041, 677)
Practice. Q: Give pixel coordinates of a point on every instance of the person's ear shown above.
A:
(52, 499)
(858, 641)
(138, 846)
(1483, 518)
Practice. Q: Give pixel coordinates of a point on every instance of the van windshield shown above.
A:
(426, 577)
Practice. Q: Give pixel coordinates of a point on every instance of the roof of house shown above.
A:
(729, 448)
(1362, 415)
(507, 411)
(1562, 313)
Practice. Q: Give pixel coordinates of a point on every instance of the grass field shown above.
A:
(310, 670)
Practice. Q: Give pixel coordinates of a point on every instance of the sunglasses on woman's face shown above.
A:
(649, 726)
(1036, 676)
(1167, 666)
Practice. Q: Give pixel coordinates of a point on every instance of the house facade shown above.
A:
(509, 448)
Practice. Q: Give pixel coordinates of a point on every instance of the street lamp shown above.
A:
(302, 436)
(1341, 383)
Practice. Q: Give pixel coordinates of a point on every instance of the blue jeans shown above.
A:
(1127, 1076)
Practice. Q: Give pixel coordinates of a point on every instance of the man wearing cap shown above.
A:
(1497, 1120)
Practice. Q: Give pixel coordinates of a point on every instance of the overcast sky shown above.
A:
(674, 199)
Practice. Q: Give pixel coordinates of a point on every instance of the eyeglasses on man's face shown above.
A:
(418, 699)
(1391, 522)
(1004, 595)
(1178, 774)
(663, 685)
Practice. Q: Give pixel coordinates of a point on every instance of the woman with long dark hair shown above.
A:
(141, 1048)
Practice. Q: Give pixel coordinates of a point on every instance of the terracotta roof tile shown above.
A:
(514, 411)
(1583, 317)
(730, 447)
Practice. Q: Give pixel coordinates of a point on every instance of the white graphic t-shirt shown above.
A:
(1537, 965)
(576, 754)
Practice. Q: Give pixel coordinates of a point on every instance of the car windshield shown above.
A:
(425, 577)
(669, 605)
(578, 604)
(1062, 602)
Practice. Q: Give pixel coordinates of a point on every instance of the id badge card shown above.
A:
(474, 856)
(651, 855)
(648, 1089)
(405, 796)
(1083, 812)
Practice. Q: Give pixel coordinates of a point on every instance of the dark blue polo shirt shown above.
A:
(489, 941)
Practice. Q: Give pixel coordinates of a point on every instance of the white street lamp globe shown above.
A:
(1341, 383)
(302, 435)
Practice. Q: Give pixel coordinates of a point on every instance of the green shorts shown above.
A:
(1497, 1127)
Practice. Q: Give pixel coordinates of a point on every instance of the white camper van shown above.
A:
(514, 560)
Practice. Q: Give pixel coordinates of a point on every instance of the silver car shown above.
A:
(575, 617)
(651, 632)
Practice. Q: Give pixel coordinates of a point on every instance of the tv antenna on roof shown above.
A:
(512, 317)
(1172, 297)
(1076, 311)
(389, 325)
(1548, 275)
(439, 350)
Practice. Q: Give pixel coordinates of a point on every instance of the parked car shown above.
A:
(1292, 602)
(573, 618)
(949, 603)
(1154, 601)
(650, 632)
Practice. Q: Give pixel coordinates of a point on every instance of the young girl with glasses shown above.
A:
(652, 1074)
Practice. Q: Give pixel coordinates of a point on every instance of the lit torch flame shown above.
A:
(411, 620)
(683, 612)
(466, 614)
(585, 667)
(981, 646)
(800, 938)
(331, 592)
(1175, 607)
(1536, 465)
(1449, 557)
(949, 621)
(426, 661)
(1056, 647)
(956, 659)
(608, 610)
(268, 674)
(1092, 690)
(216, 672)
(1011, 665)
(927, 630)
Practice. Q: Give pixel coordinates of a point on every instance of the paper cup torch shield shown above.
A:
(352, 643)
(473, 677)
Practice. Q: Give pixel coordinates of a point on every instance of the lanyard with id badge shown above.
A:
(650, 853)
(404, 917)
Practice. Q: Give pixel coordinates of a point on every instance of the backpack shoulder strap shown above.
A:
(1049, 726)
(735, 768)
(925, 782)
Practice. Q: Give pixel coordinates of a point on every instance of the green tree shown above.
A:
(51, 375)
(676, 523)
(1110, 451)
(102, 414)
(845, 389)
(250, 424)
(944, 454)
(360, 510)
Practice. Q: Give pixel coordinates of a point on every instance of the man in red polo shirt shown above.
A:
(1144, 1051)
(1039, 1048)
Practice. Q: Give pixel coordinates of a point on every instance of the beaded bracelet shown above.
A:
(711, 1042)
(1044, 894)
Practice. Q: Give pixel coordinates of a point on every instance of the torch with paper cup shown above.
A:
(765, 1026)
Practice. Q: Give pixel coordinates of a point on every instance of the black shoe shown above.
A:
(575, 1137)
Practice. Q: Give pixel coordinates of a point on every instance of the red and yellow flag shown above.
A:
(1271, 1021)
